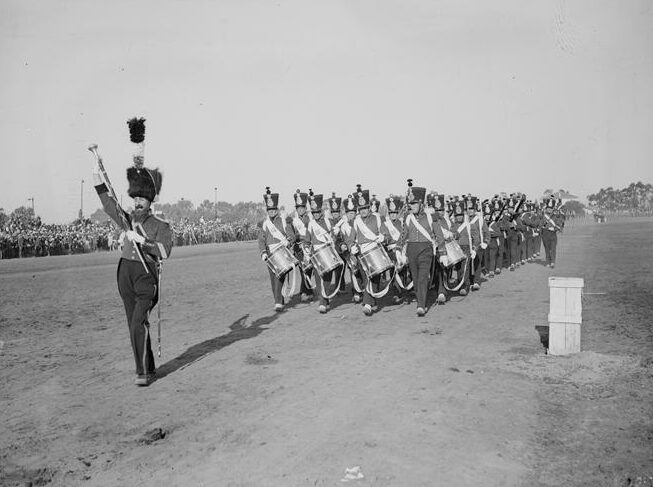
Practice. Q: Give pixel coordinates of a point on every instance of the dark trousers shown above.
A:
(438, 276)
(277, 285)
(376, 283)
(475, 267)
(504, 252)
(138, 291)
(323, 283)
(461, 265)
(420, 258)
(550, 241)
(493, 255)
(513, 248)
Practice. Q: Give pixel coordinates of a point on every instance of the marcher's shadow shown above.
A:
(197, 352)
(543, 331)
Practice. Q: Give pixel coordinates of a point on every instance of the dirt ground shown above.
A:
(247, 397)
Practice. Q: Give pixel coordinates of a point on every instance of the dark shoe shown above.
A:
(552, 265)
(497, 271)
(420, 311)
(278, 307)
(305, 298)
(491, 274)
(476, 286)
(396, 299)
(322, 308)
(367, 309)
(512, 267)
(441, 298)
(463, 292)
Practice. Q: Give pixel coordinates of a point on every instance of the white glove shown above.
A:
(264, 257)
(134, 237)
(444, 260)
(354, 249)
(379, 239)
(392, 246)
(484, 246)
(473, 254)
(448, 236)
(343, 247)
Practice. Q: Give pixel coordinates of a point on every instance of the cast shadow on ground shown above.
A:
(197, 352)
(543, 331)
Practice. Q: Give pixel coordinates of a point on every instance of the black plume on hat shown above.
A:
(136, 129)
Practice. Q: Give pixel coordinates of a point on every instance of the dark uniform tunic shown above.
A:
(138, 286)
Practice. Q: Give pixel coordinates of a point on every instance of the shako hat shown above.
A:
(362, 197)
(487, 208)
(471, 203)
(350, 203)
(394, 204)
(374, 204)
(334, 203)
(143, 182)
(458, 207)
(315, 201)
(300, 198)
(271, 199)
(415, 194)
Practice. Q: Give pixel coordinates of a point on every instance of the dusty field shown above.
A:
(464, 396)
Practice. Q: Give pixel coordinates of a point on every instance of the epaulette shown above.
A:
(162, 220)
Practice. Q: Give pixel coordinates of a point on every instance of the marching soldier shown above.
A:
(478, 236)
(274, 234)
(355, 272)
(442, 229)
(299, 223)
(550, 229)
(366, 231)
(394, 227)
(147, 240)
(458, 230)
(337, 221)
(418, 242)
(493, 251)
(318, 235)
(512, 235)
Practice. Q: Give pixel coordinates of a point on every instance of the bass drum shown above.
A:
(375, 261)
(281, 261)
(326, 259)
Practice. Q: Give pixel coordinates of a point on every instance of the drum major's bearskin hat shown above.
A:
(334, 203)
(143, 182)
(300, 199)
(271, 199)
(415, 194)
(394, 204)
(362, 197)
(315, 201)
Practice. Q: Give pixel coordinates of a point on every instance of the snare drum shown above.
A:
(375, 261)
(326, 259)
(454, 253)
(281, 261)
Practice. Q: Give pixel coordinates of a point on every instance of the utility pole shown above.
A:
(81, 201)
(32, 200)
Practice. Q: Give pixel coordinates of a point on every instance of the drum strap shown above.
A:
(394, 233)
(272, 229)
(299, 225)
(461, 278)
(320, 233)
(383, 291)
(480, 227)
(360, 226)
(411, 219)
(340, 273)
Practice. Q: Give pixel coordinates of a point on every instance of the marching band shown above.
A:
(411, 245)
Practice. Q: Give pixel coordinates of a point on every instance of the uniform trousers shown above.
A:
(321, 283)
(420, 258)
(513, 247)
(550, 241)
(138, 291)
(493, 254)
(277, 285)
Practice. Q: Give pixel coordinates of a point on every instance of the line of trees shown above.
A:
(636, 198)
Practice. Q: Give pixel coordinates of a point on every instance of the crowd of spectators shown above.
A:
(20, 238)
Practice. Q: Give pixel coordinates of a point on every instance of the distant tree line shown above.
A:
(635, 199)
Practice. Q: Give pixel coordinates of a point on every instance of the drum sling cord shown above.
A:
(285, 291)
(462, 279)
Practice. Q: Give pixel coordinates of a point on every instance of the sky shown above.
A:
(461, 96)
